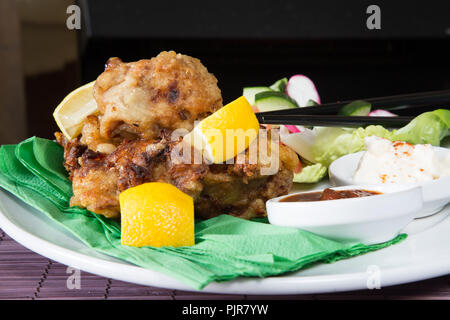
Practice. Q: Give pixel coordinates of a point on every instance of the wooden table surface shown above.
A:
(27, 275)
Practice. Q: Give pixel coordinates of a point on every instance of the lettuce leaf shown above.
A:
(311, 174)
(429, 127)
(332, 143)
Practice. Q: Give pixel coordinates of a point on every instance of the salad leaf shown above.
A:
(311, 174)
(429, 127)
(332, 143)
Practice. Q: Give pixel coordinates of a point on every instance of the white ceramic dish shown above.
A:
(423, 255)
(370, 220)
(436, 194)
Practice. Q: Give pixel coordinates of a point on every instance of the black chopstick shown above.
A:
(333, 120)
(413, 103)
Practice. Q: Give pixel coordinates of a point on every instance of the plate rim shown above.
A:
(274, 285)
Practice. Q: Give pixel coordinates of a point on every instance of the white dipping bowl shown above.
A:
(370, 220)
(436, 193)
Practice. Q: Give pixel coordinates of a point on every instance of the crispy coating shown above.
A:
(72, 151)
(144, 160)
(98, 178)
(239, 189)
(128, 142)
(95, 186)
(140, 98)
(242, 188)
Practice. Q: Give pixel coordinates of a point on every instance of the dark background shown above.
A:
(249, 43)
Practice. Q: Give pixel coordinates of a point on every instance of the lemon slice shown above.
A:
(156, 214)
(71, 113)
(225, 133)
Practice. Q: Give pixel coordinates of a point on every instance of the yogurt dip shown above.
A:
(388, 161)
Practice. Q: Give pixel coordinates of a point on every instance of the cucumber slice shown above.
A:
(280, 85)
(356, 108)
(273, 100)
(250, 92)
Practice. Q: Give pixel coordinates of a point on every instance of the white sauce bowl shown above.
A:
(436, 193)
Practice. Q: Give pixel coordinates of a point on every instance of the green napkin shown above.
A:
(226, 247)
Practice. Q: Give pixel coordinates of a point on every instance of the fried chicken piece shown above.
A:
(90, 136)
(73, 150)
(95, 185)
(127, 144)
(239, 189)
(98, 178)
(242, 189)
(144, 160)
(138, 99)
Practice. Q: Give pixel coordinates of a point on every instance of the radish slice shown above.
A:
(381, 113)
(294, 129)
(302, 89)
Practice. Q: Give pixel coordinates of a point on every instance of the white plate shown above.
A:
(425, 254)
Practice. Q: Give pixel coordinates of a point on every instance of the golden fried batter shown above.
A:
(140, 104)
(95, 188)
(140, 98)
(239, 189)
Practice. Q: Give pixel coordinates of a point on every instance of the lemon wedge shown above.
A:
(156, 214)
(226, 133)
(71, 113)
